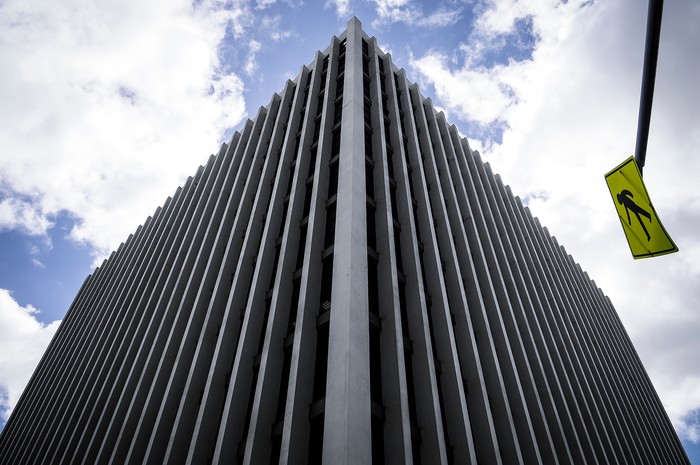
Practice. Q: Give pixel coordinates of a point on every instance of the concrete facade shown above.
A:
(345, 282)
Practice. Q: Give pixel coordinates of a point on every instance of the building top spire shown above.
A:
(355, 22)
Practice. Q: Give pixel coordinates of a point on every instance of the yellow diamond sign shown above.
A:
(645, 233)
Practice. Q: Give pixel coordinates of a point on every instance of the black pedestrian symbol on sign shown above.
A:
(624, 198)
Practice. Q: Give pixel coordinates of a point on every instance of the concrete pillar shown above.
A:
(347, 436)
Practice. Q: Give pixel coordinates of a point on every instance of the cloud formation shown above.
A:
(408, 12)
(560, 115)
(251, 65)
(107, 107)
(23, 341)
(342, 7)
(16, 213)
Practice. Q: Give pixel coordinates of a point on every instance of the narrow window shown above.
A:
(274, 266)
(282, 398)
(404, 309)
(338, 112)
(368, 144)
(369, 180)
(326, 284)
(276, 448)
(321, 363)
(373, 286)
(392, 196)
(330, 226)
(284, 218)
(302, 245)
(366, 88)
(307, 200)
(390, 161)
(371, 229)
(397, 246)
(317, 129)
(375, 367)
(296, 146)
(312, 162)
(339, 86)
(293, 309)
(335, 144)
(333, 180)
(316, 440)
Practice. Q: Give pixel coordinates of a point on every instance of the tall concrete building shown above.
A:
(346, 282)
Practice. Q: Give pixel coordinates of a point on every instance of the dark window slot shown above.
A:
(404, 310)
(326, 284)
(321, 363)
(301, 248)
(312, 161)
(373, 285)
(316, 440)
(397, 246)
(329, 234)
(294, 306)
(377, 441)
(335, 143)
(307, 200)
(333, 180)
(282, 398)
(369, 180)
(392, 196)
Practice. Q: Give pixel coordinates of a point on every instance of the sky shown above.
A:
(108, 106)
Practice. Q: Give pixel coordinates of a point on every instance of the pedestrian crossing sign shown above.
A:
(645, 233)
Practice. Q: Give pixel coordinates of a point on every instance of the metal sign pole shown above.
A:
(651, 52)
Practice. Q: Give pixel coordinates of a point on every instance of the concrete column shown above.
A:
(347, 436)
(423, 359)
(109, 330)
(571, 389)
(570, 451)
(398, 443)
(123, 337)
(109, 395)
(509, 337)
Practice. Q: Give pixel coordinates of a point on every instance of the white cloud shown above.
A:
(251, 65)
(19, 214)
(568, 112)
(440, 18)
(342, 7)
(272, 24)
(499, 16)
(488, 97)
(689, 425)
(107, 107)
(406, 11)
(23, 341)
(394, 11)
(262, 4)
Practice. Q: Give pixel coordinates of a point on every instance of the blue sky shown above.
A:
(108, 107)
